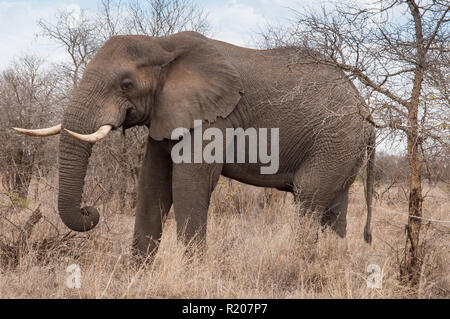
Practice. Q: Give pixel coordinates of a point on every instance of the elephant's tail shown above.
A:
(369, 184)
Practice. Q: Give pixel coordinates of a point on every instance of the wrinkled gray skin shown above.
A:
(168, 82)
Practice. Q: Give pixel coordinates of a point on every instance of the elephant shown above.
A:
(173, 82)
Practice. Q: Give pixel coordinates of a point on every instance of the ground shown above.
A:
(257, 247)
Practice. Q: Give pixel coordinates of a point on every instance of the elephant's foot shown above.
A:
(336, 221)
(194, 244)
(144, 251)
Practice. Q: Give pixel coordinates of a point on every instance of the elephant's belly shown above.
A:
(251, 174)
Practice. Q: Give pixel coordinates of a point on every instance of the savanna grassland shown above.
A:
(257, 247)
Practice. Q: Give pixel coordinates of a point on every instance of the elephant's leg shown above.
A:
(154, 198)
(335, 216)
(192, 187)
(324, 189)
(315, 188)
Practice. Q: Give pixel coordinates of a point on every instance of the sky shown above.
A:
(234, 21)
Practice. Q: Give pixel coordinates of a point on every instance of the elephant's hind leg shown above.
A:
(319, 189)
(154, 199)
(335, 216)
(314, 190)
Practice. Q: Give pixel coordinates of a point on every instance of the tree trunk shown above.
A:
(410, 270)
(21, 174)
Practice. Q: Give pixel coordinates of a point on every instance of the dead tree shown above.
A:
(397, 53)
(29, 97)
(151, 17)
(77, 35)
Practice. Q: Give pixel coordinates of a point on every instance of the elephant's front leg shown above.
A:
(154, 199)
(192, 186)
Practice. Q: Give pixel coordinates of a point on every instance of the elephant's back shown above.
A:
(280, 75)
(281, 81)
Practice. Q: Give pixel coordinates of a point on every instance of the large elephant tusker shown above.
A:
(173, 82)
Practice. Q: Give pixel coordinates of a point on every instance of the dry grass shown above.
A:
(257, 247)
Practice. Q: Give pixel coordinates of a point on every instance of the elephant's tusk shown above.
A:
(54, 130)
(101, 133)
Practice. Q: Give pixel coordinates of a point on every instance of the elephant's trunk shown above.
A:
(73, 161)
(88, 111)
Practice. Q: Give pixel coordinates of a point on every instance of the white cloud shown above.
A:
(18, 30)
(74, 20)
(235, 22)
(239, 21)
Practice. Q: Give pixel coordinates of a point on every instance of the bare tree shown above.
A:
(165, 17)
(112, 18)
(77, 34)
(81, 34)
(29, 97)
(397, 52)
(150, 17)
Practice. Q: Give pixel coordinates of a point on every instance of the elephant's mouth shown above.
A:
(130, 118)
(133, 118)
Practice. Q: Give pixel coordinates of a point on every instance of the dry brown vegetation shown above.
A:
(257, 247)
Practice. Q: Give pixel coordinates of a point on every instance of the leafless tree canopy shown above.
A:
(151, 17)
(29, 97)
(380, 47)
(78, 36)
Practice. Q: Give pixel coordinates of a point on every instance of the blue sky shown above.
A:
(234, 21)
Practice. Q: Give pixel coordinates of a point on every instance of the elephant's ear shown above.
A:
(198, 84)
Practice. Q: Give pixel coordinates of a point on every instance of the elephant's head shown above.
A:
(163, 83)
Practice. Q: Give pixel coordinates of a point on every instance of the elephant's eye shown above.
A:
(126, 84)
